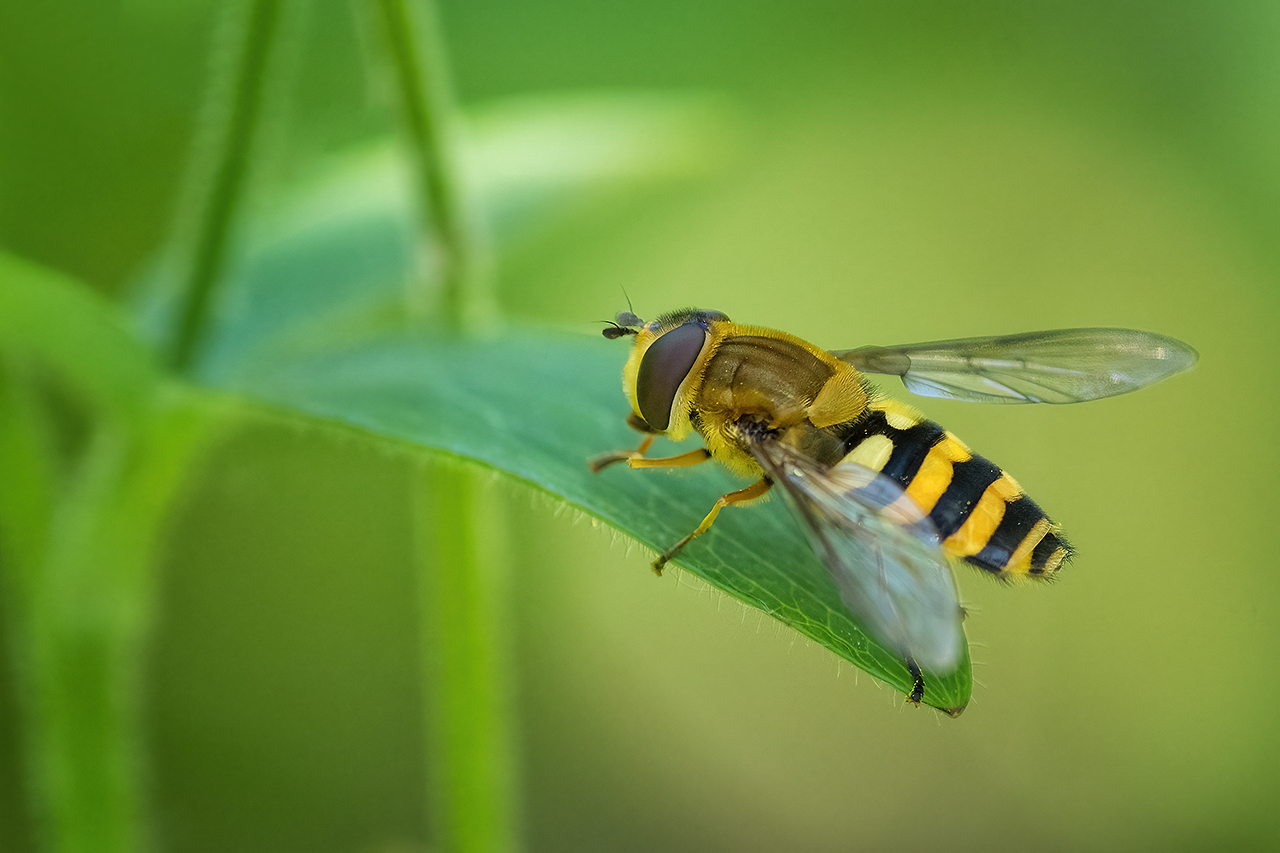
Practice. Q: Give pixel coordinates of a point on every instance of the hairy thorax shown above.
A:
(782, 382)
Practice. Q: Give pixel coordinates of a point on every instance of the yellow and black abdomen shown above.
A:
(981, 513)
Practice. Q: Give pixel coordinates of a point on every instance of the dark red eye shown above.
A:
(666, 363)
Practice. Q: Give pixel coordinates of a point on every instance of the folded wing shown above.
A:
(1058, 366)
(881, 549)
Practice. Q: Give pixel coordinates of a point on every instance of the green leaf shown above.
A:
(534, 158)
(67, 327)
(309, 324)
(332, 258)
(536, 406)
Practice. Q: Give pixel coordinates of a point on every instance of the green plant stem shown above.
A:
(78, 538)
(470, 749)
(221, 171)
(415, 50)
(470, 741)
(82, 601)
(80, 656)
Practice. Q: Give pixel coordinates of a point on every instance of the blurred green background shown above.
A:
(877, 174)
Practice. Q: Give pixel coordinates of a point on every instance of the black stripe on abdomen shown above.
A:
(1019, 517)
(910, 447)
(1047, 551)
(968, 481)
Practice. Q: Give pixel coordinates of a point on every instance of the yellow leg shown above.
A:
(693, 457)
(635, 458)
(751, 492)
(604, 460)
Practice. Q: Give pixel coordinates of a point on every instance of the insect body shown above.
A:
(887, 498)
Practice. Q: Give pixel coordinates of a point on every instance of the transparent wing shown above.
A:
(1058, 366)
(881, 549)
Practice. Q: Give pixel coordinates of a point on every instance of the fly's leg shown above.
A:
(635, 458)
(916, 696)
(751, 492)
(604, 460)
(684, 460)
(917, 690)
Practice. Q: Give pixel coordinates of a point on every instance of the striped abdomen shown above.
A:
(981, 513)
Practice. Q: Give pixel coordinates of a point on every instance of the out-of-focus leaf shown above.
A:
(536, 406)
(332, 260)
(531, 159)
(67, 327)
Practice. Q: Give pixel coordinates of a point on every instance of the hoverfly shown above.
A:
(886, 498)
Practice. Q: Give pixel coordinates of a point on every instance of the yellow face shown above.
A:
(666, 364)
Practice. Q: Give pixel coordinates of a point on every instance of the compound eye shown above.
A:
(666, 363)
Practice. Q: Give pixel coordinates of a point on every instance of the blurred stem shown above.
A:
(82, 595)
(470, 728)
(83, 491)
(470, 737)
(449, 232)
(221, 171)
(30, 486)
